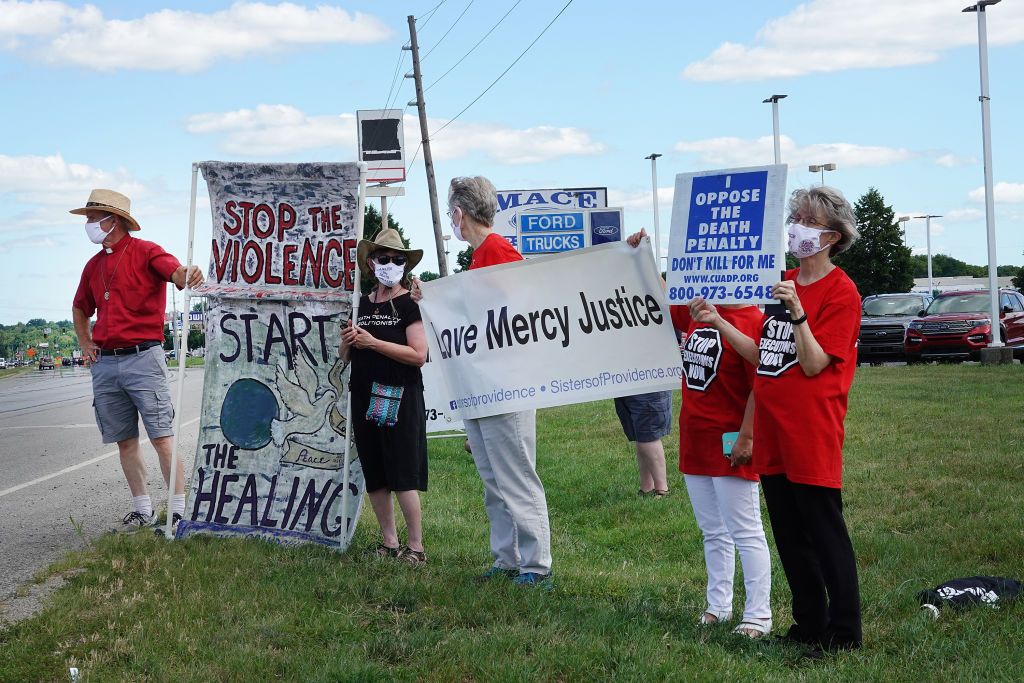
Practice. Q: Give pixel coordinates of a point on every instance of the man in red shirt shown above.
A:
(504, 447)
(125, 286)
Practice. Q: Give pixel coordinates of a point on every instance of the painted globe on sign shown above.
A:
(246, 413)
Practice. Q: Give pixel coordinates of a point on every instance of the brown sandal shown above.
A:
(413, 557)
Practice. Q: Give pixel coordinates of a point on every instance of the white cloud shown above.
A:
(964, 215)
(34, 242)
(53, 181)
(824, 36)
(733, 152)
(175, 39)
(641, 200)
(282, 129)
(275, 129)
(952, 160)
(1003, 192)
(511, 145)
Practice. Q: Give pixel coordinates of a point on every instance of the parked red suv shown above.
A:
(957, 325)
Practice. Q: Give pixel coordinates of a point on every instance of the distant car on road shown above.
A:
(883, 325)
(3, 363)
(957, 325)
(66, 362)
(46, 362)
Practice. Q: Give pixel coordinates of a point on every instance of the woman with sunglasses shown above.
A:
(387, 347)
(805, 362)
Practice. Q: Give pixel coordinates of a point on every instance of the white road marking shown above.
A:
(79, 466)
(75, 426)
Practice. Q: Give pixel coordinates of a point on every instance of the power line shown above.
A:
(394, 78)
(502, 75)
(426, 18)
(454, 24)
(479, 42)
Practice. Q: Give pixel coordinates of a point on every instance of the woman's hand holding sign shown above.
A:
(785, 292)
(634, 239)
(703, 311)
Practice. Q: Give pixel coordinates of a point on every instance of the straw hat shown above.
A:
(386, 239)
(111, 202)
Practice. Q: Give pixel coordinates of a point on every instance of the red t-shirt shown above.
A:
(493, 250)
(716, 385)
(798, 420)
(135, 273)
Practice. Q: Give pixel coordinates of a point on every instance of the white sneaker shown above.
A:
(136, 520)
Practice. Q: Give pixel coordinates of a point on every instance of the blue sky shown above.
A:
(127, 95)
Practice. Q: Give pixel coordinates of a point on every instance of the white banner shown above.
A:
(437, 401)
(726, 237)
(555, 330)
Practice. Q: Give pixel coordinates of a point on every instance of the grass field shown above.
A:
(189, 363)
(933, 490)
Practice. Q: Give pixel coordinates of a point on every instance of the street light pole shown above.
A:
(821, 167)
(902, 220)
(928, 241)
(986, 135)
(774, 99)
(657, 223)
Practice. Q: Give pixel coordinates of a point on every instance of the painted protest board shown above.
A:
(727, 228)
(546, 231)
(269, 462)
(511, 202)
(567, 328)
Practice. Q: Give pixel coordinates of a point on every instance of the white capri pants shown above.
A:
(728, 512)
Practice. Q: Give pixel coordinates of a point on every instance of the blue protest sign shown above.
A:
(726, 237)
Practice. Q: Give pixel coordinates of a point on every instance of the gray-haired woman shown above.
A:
(805, 365)
(504, 447)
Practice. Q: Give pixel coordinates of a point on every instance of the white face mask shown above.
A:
(390, 274)
(95, 231)
(805, 241)
(457, 227)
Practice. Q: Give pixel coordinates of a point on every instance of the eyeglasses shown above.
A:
(806, 220)
(384, 259)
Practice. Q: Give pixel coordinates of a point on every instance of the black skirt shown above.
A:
(393, 458)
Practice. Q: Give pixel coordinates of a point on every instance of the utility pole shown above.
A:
(428, 159)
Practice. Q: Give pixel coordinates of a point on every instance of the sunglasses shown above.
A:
(384, 259)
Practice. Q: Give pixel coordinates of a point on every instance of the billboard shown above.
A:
(382, 144)
(511, 202)
(545, 231)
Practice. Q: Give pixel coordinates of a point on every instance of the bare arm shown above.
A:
(412, 353)
(743, 449)
(809, 354)
(84, 334)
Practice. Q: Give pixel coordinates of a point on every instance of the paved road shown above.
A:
(54, 468)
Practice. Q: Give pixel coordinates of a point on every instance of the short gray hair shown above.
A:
(829, 202)
(475, 196)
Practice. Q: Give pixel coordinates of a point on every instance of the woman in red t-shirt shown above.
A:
(805, 359)
(718, 406)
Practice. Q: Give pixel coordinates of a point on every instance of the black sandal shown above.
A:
(387, 551)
